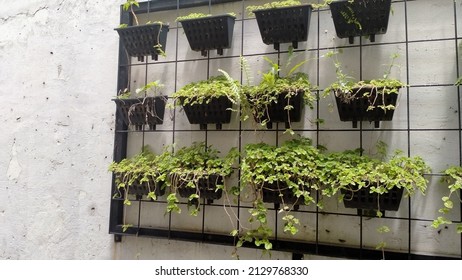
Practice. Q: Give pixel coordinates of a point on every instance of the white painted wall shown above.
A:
(58, 70)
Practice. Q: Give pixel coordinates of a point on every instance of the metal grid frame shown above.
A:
(297, 248)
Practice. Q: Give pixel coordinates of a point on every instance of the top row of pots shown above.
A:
(279, 22)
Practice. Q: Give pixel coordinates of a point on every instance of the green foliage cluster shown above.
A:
(129, 6)
(348, 89)
(190, 164)
(304, 169)
(352, 171)
(192, 16)
(203, 91)
(296, 166)
(198, 15)
(452, 177)
(271, 5)
(256, 99)
(292, 166)
(142, 169)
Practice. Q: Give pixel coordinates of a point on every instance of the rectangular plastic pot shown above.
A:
(139, 41)
(207, 187)
(360, 18)
(141, 112)
(216, 111)
(355, 110)
(272, 194)
(209, 33)
(284, 25)
(276, 112)
(365, 200)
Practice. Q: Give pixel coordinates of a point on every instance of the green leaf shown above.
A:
(459, 228)
(381, 245)
(383, 229)
(448, 204)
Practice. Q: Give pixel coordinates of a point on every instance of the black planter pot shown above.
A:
(140, 112)
(209, 33)
(272, 194)
(355, 110)
(207, 188)
(360, 18)
(141, 189)
(365, 200)
(140, 40)
(284, 25)
(214, 112)
(277, 112)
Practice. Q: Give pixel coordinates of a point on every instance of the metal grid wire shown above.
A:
(296, 247)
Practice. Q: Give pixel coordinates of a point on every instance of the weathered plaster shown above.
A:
(57, 75)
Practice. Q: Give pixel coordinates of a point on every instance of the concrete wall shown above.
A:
(58, 73)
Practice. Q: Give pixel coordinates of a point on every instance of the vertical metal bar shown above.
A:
(174, 109)
(361, 145)
(459, 105)
(120, 138)
(318, 41)
(238, 224)
(408, 122)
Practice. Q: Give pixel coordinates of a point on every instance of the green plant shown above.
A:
(128, 6)
(288, 171)
(352, 171)
(150, 89)
(257, 99)
(189, 165)
(459, 82)
(203, 92)
(452, 177)
(271, 5)
(198, 15)
(139, 172)
(347, 89)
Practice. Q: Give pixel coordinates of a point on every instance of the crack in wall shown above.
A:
(27, 14)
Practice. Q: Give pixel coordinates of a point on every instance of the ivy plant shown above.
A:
(141, 170)
(188, 165)
(452, 177)
(292, 167)
(352, 171)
